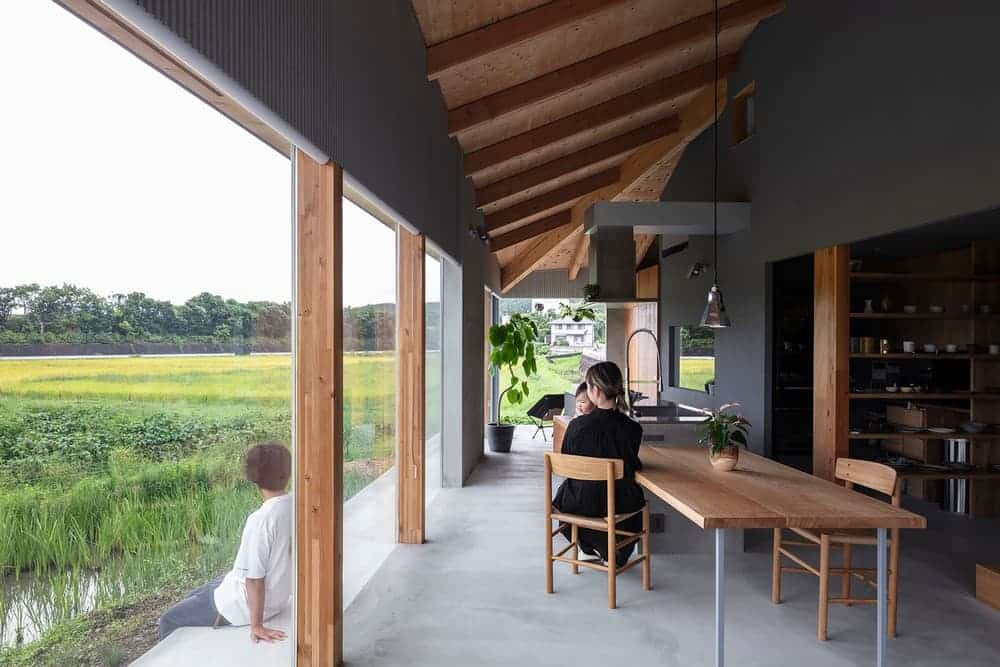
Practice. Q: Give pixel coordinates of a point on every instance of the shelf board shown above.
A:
(924, 436)
(931, 277)
(917, 316)
(917, 395)
(913, 355)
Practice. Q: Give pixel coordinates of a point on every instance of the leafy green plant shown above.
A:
(723, 429)
(514, 351)
(577, 313)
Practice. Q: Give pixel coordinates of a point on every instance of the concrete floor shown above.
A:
(475, 595)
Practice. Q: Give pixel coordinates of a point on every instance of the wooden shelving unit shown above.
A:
(966, 384)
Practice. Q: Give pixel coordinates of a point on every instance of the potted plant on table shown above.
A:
(724, 433)
(514, 350)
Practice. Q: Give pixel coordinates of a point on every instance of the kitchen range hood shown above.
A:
(612, 266)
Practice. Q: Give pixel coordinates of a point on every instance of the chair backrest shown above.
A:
(585, 467)
(870, 475)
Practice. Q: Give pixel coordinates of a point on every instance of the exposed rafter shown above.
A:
(694, 118)
(642, 244)
(655, 93)
(579, 255)
(551, 200)
(446, 57)
(680, 36)
(531, 230)
(591, 155)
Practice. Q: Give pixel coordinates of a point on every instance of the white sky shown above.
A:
(113, 177)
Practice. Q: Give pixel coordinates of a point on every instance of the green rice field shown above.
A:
(130, 467)
(696, 371)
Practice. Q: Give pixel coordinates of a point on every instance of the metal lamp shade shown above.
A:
(715, 315)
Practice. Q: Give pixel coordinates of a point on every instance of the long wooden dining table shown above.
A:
(761, 493)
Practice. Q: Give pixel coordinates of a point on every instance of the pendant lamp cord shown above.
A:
(715, 154)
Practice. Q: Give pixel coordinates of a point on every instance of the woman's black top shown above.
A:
(606, 434)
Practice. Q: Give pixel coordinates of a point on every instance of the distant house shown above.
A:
(567, 333)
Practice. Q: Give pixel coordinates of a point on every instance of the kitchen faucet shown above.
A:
(659, 379)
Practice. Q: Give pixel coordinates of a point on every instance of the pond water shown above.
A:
(31, 603)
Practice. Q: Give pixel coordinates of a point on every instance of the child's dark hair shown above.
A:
(269, 466)
(582, 389)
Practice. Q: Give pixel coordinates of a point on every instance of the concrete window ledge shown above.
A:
(222, 646)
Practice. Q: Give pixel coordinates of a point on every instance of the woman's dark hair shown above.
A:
(607, 377)
(582, 389)
(269, 466)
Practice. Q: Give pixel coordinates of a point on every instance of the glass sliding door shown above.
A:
(432, 383)
(370, 389)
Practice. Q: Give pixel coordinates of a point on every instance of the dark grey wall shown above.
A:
(871, 117)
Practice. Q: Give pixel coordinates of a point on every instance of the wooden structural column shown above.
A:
(410, 344)
(830, 358)
(319, 494)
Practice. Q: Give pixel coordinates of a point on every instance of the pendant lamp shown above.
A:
(715, 315)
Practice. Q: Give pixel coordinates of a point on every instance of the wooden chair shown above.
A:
(600, 470)
(869, 475)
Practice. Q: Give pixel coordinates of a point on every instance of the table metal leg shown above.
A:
(880, 612)
(720, 596)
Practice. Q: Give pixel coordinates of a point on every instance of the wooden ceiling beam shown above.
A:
(551, 200)
(531, 230)
(682, 35)
(642, 244)
(655, 93)
(694, 118)
(579, 255)
(591, 155)
(449, 55)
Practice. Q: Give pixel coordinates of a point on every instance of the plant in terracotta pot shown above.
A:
(514, 349)
(724, 432)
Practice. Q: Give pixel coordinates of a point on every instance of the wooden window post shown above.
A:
(830, 361)
(410, 344)
(319, 493)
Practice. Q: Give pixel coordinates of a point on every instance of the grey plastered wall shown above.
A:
(872, 117)
(351, 77)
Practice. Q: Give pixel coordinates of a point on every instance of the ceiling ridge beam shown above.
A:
(531, 230)
(593, 117)
(447, 56)
(550, 200)
(546, 86)
(694, 118)
(615, 146)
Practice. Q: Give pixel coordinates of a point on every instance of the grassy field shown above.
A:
(554, 377)
(133, 464)
(696, 371)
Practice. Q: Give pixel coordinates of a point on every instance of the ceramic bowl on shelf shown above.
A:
(909, 309)
(937, 310)
(892, 389)
(940, 430)
(930, 348)
(906, 390)
(951, 348)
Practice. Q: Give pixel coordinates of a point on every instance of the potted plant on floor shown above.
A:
(514, 350)
(724, 432)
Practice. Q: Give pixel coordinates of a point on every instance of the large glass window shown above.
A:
(370, 388)
(145, 310)
(694, 362)
(432, 381)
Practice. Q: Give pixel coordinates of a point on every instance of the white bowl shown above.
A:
(937, 310)
(930, 348)
(951, 348)
(909, 310)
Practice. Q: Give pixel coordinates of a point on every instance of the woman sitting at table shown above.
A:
(605, 432)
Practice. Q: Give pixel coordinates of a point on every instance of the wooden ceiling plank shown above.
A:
(445, 57)
(655, 93)
(591, 155)
(573, 76)
(552, 199)
(642, 244)
(530, 231)
(694, 118)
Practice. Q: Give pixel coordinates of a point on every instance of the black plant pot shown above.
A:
(500, 437)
